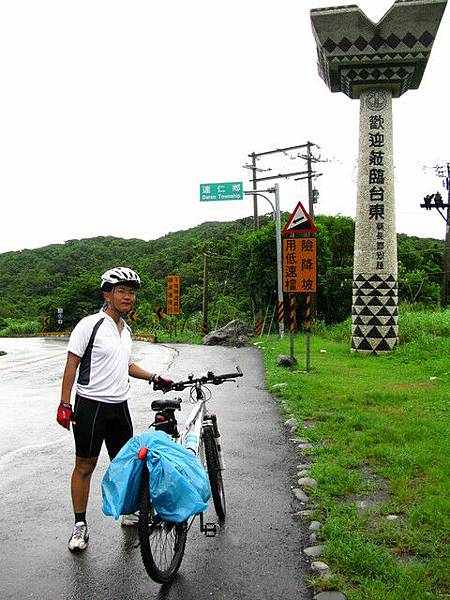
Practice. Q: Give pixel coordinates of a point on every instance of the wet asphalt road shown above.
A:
(256, 556)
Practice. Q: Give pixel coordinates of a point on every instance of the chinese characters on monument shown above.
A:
(376, 173)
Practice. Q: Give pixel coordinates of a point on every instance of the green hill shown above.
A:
(242, 275)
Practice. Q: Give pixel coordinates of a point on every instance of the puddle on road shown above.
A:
(30, 382)
(26, 351)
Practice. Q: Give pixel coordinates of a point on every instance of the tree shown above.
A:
(33, 283)
(79, 297)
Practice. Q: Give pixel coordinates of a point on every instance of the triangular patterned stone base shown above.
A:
(374, 313)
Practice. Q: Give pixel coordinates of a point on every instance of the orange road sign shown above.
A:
(173, 295)
(299, 265)
(159, 311)
(132, 316)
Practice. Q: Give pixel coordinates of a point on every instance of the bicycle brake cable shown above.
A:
(192, 397)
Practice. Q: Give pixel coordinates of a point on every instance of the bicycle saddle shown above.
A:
(163, 403)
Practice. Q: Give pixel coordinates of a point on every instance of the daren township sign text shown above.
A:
(210, 192)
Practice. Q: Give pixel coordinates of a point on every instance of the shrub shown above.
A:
(18, 327)
(416, 324)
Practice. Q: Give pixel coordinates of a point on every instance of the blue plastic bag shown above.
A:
(120, 484)
(179, 485)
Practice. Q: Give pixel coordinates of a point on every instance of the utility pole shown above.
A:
(435, 201)
(309, 174)
(446, 262)
(279, 257)
(205, 295)
(277, 218)
(446, 258)
(310, 186)
(255, 197)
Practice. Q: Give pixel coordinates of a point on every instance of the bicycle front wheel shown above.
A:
(162, 543)
(214, 473)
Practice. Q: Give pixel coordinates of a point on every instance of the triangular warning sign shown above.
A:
(300, 222)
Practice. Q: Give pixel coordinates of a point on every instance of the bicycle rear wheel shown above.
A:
(162, 543)
(214, 473)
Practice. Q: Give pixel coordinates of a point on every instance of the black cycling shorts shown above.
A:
(95, 422)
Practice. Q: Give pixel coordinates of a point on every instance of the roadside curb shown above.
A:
(304, 482)
(145, 337)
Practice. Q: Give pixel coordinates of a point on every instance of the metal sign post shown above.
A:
(308, 332)
(59, 318)
(292, 326)
(204, 325)
(277, 218)
(299, 268)
(279, 266)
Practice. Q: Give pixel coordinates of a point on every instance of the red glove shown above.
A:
(64, 415)
(162, 383)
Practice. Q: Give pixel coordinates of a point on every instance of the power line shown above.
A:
(309, 174)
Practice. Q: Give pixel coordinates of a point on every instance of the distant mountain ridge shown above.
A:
(242, 268)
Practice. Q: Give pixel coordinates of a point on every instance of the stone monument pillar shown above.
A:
(375, 295)
(375, 62)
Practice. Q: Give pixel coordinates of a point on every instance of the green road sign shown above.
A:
(221, 191)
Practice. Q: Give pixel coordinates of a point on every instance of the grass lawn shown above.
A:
(379, 426)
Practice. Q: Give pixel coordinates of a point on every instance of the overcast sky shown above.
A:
(112, 114)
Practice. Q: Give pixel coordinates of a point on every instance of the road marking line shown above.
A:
(30, 362)
(33, 447)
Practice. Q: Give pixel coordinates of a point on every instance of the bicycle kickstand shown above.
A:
(209, 529)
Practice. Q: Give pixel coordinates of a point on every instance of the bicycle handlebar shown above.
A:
(210, 377)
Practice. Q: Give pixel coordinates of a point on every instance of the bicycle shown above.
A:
(162, 543)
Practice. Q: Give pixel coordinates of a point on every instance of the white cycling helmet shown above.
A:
(120, 275)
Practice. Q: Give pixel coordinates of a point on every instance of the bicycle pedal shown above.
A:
(210, 529)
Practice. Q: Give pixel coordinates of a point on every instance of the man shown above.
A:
(100, 345)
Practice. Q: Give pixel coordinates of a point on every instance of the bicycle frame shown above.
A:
(194, 422)
(199, 422)
(162, 543)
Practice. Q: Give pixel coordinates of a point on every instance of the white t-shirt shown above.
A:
(103, 371)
